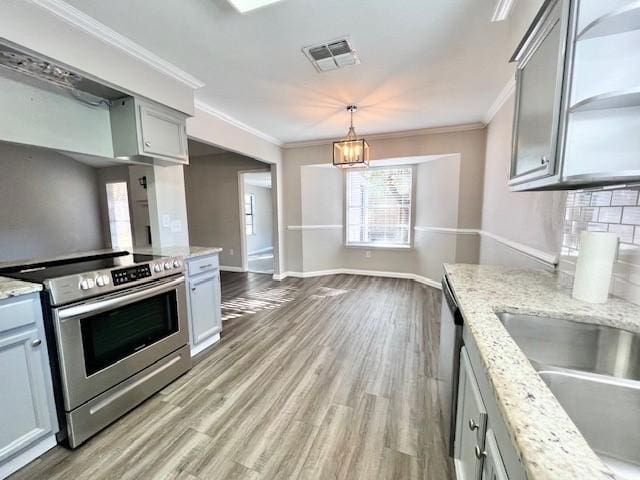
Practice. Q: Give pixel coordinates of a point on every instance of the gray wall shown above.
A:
(213, 210)
(534, 219)
(263, 219)
(49, 204)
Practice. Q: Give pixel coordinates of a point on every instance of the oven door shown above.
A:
(104, 341)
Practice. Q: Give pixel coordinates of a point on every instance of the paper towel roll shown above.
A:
(595, 266)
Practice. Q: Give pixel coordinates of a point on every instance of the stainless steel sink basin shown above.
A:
(594, 372)
(577, 346)
(607, 413)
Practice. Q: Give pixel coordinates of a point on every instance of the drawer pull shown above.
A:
(36, 343)
(473, 425)
(208, 265)
(479, 453)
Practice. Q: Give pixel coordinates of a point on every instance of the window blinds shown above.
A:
(379, 206)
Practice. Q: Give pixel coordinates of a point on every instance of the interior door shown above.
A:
(24, 413)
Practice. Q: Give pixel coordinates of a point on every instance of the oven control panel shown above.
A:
(131, 274)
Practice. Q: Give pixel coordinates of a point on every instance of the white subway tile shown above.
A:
(631, 215)
(624, 197)
(601, 199)
(610, 214)
(624, 232)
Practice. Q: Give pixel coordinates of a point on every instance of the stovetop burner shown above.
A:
(77, 278)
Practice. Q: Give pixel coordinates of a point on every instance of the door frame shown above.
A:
(243, 234)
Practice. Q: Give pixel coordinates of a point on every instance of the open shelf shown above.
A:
(620, 99)
(623, 19)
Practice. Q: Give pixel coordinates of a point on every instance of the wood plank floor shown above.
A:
(322, 378)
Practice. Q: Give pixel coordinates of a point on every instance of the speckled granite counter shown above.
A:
(185, 252)
(10, 287)
(548, 442)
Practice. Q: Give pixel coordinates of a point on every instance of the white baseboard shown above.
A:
(260, 250)
(369, 273)
(225, 268)
(204, 345)
(28, 456)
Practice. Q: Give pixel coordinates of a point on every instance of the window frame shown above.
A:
(412, 212)
(252, 214)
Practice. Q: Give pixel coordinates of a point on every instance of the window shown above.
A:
(249, 214)
(379, 207)
(119, 221)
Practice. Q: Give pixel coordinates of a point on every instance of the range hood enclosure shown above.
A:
(145, 132)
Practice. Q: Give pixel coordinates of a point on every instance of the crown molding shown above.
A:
(90, 25)
(500, 100)
(205, 107)
(384, 136)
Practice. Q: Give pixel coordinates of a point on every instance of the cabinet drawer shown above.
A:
(19, 311)
(202, 264)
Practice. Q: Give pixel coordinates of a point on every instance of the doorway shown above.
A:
(256, 220)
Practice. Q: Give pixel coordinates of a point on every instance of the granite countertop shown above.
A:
(188, 251)
(10, 287)
(548, 442)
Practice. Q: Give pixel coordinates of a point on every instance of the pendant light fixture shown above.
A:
(351, 152)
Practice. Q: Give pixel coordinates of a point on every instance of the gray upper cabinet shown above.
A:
(27, 409)
(578, 97)
(539, 86)
(148, 133)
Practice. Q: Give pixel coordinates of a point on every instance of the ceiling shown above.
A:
(425, 63)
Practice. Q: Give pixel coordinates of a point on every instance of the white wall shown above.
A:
(167, 206)
(49, 204)
(534, 219)
(262, 239)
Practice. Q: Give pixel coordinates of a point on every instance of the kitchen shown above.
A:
(443, 311)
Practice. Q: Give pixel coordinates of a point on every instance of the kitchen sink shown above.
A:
(576, 346)
(594, 372)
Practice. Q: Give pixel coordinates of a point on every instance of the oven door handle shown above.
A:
(114, 302)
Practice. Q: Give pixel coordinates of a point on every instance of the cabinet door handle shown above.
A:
(473, 425)
(544, 160)
(193, 289)
(479, 453)
(147, 143)
(36, 343)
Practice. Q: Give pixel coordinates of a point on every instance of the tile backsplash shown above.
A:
(607, 210)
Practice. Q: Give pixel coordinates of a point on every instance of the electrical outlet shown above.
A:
(176, 226)
(231, 252)
(367, 254)
(166, 220)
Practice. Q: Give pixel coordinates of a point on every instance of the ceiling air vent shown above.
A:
(332, 55)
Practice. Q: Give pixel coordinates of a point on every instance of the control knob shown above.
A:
(176, 264)
(157, 267)
(102, 280)
(167, 266)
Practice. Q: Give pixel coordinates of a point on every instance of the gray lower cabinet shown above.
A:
(205, 315)
(471, 423)
(483, 450)
(27, 409)
(493, 468)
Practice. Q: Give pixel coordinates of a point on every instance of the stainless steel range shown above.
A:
(117, 323)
